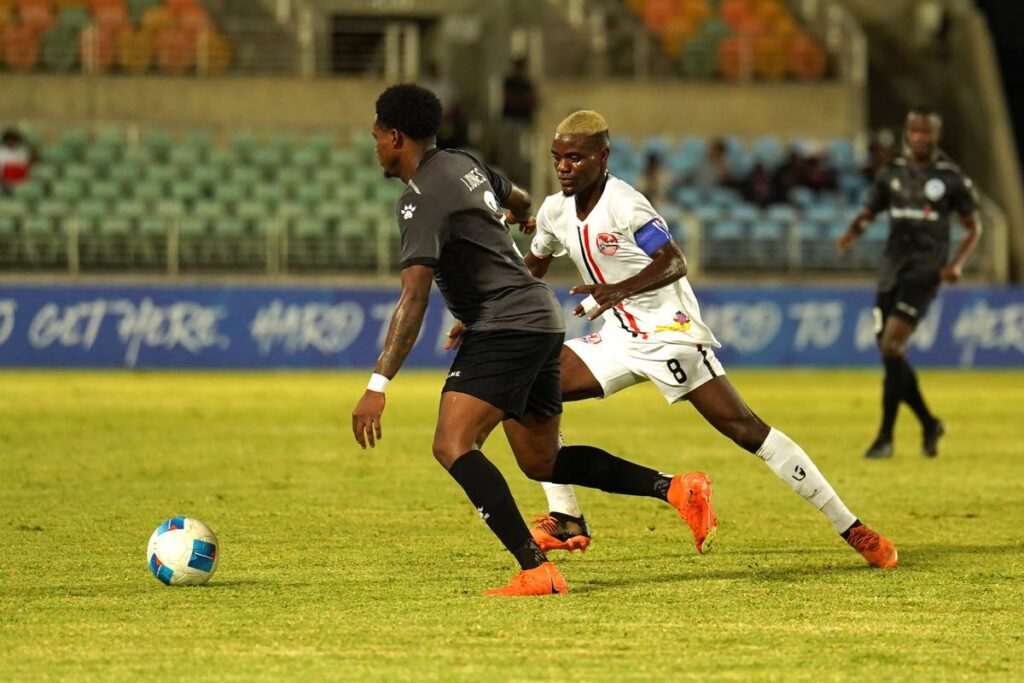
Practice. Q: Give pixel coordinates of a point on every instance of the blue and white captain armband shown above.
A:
(377, 383)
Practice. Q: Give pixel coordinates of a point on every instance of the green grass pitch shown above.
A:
(343, 564)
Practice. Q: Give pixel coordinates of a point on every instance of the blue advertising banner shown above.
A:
(320, 327)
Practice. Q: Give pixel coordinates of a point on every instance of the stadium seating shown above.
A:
(733, 39)
(96, 36)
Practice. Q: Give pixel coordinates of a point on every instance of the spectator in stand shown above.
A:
(819, 174)
(454, 131)
(758, 187)
(790, 174)
(16, 158)
(654, 179)
(710, 172)
(520, 103)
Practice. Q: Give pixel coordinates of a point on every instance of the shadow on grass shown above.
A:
(746, 575)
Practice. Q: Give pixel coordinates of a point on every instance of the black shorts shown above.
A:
(909, 301)
(517, 372)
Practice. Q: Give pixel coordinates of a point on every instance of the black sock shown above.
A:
(856, 523)
(491, 497)
(892, 392)
(912, 395)
(589, 466)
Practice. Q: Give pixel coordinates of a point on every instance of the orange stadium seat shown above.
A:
(807, 59)
(675, 33)
(157, 19)
(64, 4)
(771, 57)
(733, 58)
(213, 53)
(111, 14)
(179, 6)
(21, 47)
(696, 10)
(175, 50)
(769, 12)
(134, 50)
(194, 18)
(658, 12)
(636, 6)
(36, 14)
(734, 12)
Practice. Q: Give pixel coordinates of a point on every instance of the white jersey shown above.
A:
(603, 246)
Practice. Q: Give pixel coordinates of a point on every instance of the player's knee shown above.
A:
(537, 469)
(446, 452)
(891, 348)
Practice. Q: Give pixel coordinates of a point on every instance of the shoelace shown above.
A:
(549, 525)
(863, 539)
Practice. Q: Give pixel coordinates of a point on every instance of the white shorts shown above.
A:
(617, 363)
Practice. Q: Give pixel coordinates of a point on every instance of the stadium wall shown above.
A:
(333, 328)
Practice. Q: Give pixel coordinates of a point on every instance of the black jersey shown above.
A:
(921, 203)
(450, 217)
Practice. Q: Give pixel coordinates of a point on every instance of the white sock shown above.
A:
(562, 498)
(792, 465)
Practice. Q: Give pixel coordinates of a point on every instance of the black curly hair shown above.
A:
(411, 109)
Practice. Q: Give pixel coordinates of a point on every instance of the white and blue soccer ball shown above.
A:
(183, 552)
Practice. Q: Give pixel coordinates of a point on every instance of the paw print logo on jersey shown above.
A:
(408, 210)
(607, 243)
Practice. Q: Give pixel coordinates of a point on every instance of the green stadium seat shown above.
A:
(38, 224)
(74, 139)
(149, 191)
(59, 50)
(67, 190)
(307, 158)
(309, 226)
(106, 189)
(270, 193)
(44, 172)
(199, 140)
(92, 209)
(330, 175)
(111, 137)
(246, 175)
(138, 154)
(154, 225)
(184, 157)
(151, 247)
(229, 192)
(344, 158)
(130, 208)
(170, 208)
(290, 177)
(192, 226)
(267, 157)
(222, 157)
(321, 143)
(208, 176)
(82, 173)
(100, 156)
(209, 208)
(28, 191)
(115, 225)
(310, 192)
(291, 210)
(41, 243)
(228, 226)
(243, 144)
(332, 211)
(13, 208)
(126, 173)
(186, 190)
(162, 174)
(252, 211)
(53, 208)
(58, 155)
(158, 141)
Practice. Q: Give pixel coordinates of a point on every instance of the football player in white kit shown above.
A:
(636, 281)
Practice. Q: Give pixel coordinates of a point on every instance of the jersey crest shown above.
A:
(607, 243)
(934, 189)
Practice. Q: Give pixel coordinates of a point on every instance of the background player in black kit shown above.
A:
(921, 191)
(507, 371)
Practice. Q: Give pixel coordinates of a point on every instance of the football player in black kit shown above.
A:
(921, 190)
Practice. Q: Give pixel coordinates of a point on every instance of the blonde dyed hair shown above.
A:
(583, 122)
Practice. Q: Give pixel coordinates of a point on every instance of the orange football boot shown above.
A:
(875, 548)
(542, 580)
(553, 533)
(690, 494)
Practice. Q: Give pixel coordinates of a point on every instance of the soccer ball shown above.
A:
(182, 552)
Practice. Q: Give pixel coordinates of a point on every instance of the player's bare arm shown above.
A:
(857, 226)
(518, 204)
(953, 271)
(402, 333)
(667, 265)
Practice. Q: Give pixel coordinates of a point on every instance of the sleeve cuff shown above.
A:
(418, 261)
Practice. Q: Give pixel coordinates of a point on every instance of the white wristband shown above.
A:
(377, 383)
(589, 305)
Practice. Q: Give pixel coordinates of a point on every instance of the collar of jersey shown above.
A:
(604, 193)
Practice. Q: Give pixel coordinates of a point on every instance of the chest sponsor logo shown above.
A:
(593, 338)
(680, 323)
(408, 210)
(934, 189)
(925, 214)
(607, 243)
